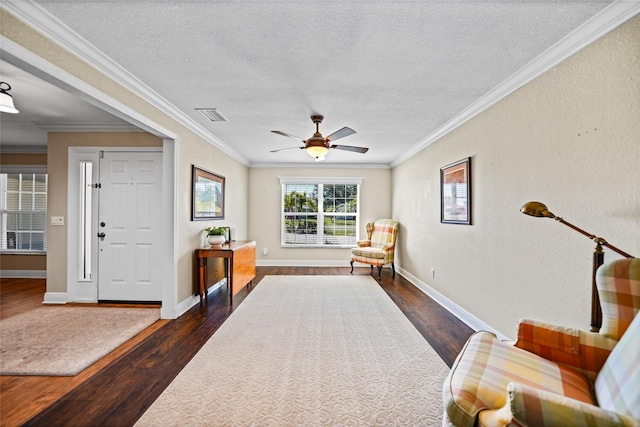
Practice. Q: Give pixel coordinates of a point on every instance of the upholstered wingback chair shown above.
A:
(379, 248)
(556, 376)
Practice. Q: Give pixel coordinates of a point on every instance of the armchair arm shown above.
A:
(388, 247)
(528, 406)
(363, 243)
(583, 351)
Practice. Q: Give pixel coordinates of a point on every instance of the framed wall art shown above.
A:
(455, 192)
(208, 195)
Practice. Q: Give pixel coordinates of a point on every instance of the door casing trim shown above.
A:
(87, 290)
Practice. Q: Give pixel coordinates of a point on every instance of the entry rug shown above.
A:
(308, 351)
(63, 341)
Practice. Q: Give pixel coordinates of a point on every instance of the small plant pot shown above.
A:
(216, 240)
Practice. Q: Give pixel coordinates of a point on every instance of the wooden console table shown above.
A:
(241, 269)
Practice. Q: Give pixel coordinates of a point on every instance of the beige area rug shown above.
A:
(309, 351)
(62, 340)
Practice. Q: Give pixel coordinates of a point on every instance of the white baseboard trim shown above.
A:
(23, 274)
(193, 300)
(55, 298)
(310, 263)
(186, 305)
(462, 314)
(302, 263)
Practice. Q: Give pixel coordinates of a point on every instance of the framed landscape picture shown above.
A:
(455, 192)
(208, 195)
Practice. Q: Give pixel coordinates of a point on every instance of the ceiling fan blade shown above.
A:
(288, 148)
(351, 148)
(279, 132)
(345, 131)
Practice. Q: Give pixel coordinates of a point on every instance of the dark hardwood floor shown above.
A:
(118, 389)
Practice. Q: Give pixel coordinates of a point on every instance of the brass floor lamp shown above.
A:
(539, 210)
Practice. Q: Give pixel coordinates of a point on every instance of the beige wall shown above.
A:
(23, 262)
(571, 139)
(202, 154)
(190, 149)
(265, 194)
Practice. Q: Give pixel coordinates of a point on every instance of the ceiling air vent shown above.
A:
(212, 114)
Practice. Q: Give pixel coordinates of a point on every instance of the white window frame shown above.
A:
(319, 181)
(23, 169)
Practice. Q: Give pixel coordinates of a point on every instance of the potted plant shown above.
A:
(216, 235)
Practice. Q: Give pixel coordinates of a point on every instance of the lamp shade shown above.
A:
(6, 100)
(536, 209)
(317, 152)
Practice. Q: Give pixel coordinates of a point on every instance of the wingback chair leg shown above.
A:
(393, 269)
(351, 262)
(379, 271)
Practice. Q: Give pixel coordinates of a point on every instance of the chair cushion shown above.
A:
(480, 375)
(368, 252)
(617, 386)
(619, 290)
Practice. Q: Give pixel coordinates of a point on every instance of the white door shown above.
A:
(129, 221)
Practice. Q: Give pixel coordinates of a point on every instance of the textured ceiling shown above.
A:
(395, 71)
(44, 107)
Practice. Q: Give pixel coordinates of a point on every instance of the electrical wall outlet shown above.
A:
(57, 220)
(264, 251)
(433, 273)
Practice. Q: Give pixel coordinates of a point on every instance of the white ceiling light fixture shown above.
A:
(317, 152)
(6, 100)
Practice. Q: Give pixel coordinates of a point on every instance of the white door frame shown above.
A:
(86, 290)
(78, 288)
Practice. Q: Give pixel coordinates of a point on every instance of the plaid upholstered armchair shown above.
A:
(556, 376)
(379, 248)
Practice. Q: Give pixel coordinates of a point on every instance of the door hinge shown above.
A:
(97, 185)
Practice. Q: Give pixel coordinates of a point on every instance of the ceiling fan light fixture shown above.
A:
(318, 146)
(317, 152)
(6, 100)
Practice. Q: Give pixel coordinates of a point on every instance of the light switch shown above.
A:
(57, 220)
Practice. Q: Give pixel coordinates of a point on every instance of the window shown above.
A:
(85, 214)
(320, 212)
(23, 206)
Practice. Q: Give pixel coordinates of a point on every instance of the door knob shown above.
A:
(101, 236)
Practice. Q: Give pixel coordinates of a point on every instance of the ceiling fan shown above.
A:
(317, 146)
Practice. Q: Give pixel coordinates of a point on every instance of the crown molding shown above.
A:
(609, 18)
(87, 127)
(321, 165)
(47, 24)
(320, 179)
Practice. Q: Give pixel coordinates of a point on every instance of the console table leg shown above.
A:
(202, 276)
